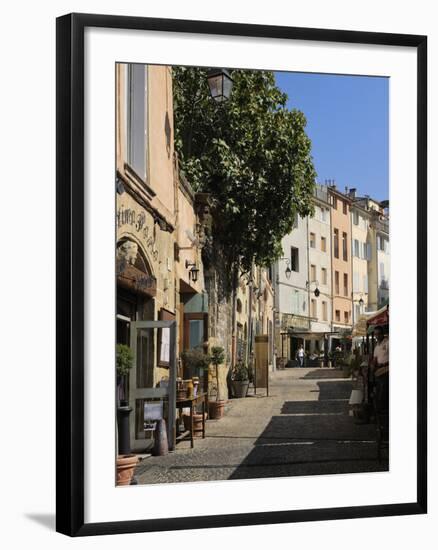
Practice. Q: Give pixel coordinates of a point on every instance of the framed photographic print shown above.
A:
(241, 274)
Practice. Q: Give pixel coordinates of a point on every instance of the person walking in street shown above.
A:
(300, 356)
(381, 368)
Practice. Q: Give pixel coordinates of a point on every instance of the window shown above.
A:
(323, 244)
(365, 283)
(356, 248)
(314, 310)
(324, 214)
(344, 247)
(368, 246)
(336, 243)
(382, 272)
(136, 116)
(336, 282)
(323, 276)
(295, 221)
(313, 272)
(344, 207)
(294, 256)
(335, 203)
(324, 311)
(356, 217)
(345, 284)
(346, 317)
(356, 282)
(380, 242)
(338, 315)
(312, 240)
(296, 302)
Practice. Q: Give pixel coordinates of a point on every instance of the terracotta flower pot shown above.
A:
(197, 423)
(216, 409)
(125, 468)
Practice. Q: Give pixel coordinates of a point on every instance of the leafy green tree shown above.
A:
(251, 153)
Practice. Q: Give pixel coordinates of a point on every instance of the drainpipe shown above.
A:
(249, 329)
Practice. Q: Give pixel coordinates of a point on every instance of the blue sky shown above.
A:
(347, 121)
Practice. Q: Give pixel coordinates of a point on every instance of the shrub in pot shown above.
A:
(240, 379)
(124, 362)
(216, 406)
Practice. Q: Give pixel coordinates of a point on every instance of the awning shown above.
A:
(360, 327)
(132, 278)
(309, 335)
(381, 317)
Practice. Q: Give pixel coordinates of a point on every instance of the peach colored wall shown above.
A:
(160, 118)
(342, 222)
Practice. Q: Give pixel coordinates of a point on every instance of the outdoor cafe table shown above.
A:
(191, 404)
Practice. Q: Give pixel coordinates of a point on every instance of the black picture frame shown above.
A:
(70, 273)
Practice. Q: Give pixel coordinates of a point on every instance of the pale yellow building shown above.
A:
(159, 233)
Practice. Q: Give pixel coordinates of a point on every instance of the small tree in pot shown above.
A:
(240, 379)
(216, 408)
(125, 460)
(124, 362)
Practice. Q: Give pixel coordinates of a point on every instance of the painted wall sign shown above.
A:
(137, 221)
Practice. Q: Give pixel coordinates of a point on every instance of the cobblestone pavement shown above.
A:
(302, 428)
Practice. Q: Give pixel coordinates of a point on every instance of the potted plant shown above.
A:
(126, 461)
(216, 407)
(124, 362)
(240, 379)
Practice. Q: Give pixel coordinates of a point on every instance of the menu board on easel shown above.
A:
(261, 355)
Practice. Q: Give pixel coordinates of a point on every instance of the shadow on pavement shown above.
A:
(318, 437)
(319, 373)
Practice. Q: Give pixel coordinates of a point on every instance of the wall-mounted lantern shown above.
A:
(193, 271)
(220, 84)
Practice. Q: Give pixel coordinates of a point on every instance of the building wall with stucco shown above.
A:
(341, 221)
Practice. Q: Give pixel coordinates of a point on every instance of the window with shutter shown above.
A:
(136, 116)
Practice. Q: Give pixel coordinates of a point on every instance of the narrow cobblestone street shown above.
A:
(302, 428)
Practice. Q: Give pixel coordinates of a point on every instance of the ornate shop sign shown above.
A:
(137, 221)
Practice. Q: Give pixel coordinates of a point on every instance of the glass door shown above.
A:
(146, 392)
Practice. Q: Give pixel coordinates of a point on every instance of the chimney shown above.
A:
(352, 193)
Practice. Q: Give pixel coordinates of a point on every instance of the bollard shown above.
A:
(161, 446)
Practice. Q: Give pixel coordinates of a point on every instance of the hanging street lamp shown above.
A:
(220, 84)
